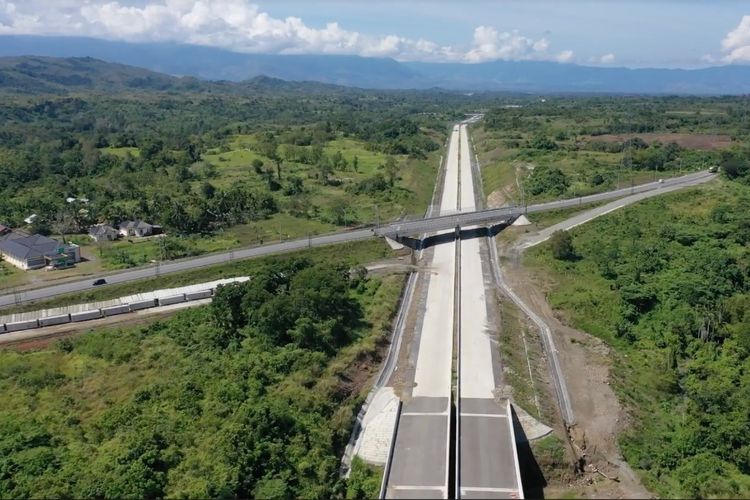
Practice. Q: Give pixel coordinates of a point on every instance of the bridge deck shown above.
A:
(421, 454)
(488, 460)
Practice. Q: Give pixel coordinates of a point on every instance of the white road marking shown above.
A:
(417, 488)
(481, 488)
(429, 414)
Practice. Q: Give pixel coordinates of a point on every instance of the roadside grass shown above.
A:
(551, 455)
(349, 253)
(497, 172)
(519, 348)
(10, 276)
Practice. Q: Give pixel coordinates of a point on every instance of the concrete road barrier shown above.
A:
(54, 320)
(114, 310)
(203, 294)
(174, 299)
(21, 325)
(142, 304)
(86, 315)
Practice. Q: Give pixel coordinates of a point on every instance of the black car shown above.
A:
(100, 281)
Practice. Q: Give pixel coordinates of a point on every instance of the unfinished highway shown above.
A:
(455, 440)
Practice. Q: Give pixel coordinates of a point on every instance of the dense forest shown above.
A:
(252, 396)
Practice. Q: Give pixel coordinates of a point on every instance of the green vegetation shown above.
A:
(364, 480)
(252, 396)
(576, 146)
(666, 283)
(551, 456)
(561, 244)
(352, 254)
(236, 166)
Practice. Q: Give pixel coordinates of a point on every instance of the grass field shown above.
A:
(505, 163)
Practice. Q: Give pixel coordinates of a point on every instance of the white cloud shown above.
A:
(490, 45)
(565, 56)
(607, 58)
(241, 26)
(736, 45)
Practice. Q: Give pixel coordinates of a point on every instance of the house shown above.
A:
(103, 232)
(33, 252)
(136, 228)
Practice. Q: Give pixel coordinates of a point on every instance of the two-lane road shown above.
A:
(427, 225)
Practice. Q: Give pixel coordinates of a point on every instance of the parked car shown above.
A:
(100, 281)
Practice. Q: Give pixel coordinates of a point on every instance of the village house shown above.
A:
(103, 232)
(136, 228)
(36, 251)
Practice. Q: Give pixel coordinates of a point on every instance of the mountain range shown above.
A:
(197, 63)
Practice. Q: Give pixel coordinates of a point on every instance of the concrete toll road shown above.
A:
(420, 467)
(486, 462)
(467, 450)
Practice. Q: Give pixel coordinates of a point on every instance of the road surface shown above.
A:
(421, 453)
(431, 224)
(487, 458)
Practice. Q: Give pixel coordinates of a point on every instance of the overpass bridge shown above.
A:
(452, 219)
(492, 218)
(454, 437)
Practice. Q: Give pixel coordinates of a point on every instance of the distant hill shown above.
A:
(212, 64)
(57, 75)
(31, 74)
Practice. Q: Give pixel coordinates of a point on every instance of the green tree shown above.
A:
(391, 169)
(561, 243)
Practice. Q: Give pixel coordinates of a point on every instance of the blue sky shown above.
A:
(633, 33)
(677, 33)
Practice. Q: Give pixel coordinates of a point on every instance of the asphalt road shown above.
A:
(407, 227)
(183, 265)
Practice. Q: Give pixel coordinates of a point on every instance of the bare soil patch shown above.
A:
(586, 363)
(496, 199)
(705, 142)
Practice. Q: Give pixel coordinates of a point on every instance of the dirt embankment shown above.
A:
(586, 364)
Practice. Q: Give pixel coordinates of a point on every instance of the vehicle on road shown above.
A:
(100, 281)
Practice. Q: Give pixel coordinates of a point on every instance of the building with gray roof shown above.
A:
(35, 251)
